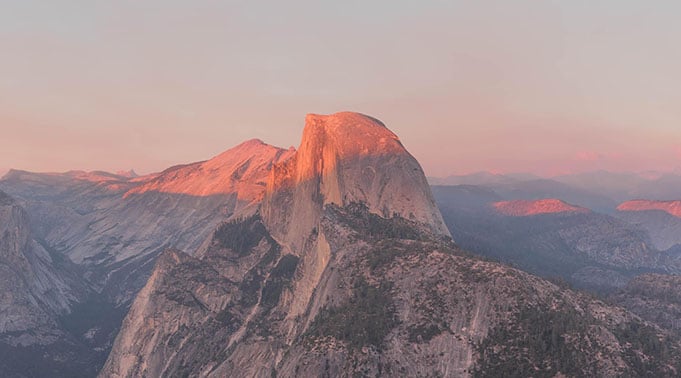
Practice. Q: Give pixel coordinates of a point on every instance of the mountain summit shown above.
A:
(345, 158)
(241, 170)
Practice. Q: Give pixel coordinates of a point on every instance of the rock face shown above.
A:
(115, 226)
(34, 291)
(343, 274)
(345, 158)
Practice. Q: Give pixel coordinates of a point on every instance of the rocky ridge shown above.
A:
(100, 234)
(340, 276)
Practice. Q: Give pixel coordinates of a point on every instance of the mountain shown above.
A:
(111, 228)
(661, 219)
(115, 226)
(551, 238)
(38, 288)
(346, 269)
(617, 185)
(544, 188)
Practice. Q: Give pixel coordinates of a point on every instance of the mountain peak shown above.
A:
(670, 207)
(344, 158)
(523, 208)
(241, 170)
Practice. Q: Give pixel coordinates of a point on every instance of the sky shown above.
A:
(547, 87)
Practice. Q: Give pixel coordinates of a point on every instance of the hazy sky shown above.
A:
(533, 86)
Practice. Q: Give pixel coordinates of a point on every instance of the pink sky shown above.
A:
(544, 87)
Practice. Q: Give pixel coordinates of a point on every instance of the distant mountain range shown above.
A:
(661, 219)
(553, 238)
(615, 186)
(649, 200)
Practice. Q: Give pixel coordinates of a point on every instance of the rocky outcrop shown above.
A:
(343, 274)
(345, 158)
(115, 226)
(242, 170)
(552, 238)
(393, 300)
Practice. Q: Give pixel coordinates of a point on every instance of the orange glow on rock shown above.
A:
(523, 208)
(670, 207)
(242, 170)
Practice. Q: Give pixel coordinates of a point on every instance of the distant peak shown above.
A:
(241, 170)
(345, 158)
(670, 207)
(523, 208)
(128, 174)
(253, 142)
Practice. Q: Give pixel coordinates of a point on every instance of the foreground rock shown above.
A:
(349, 271)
